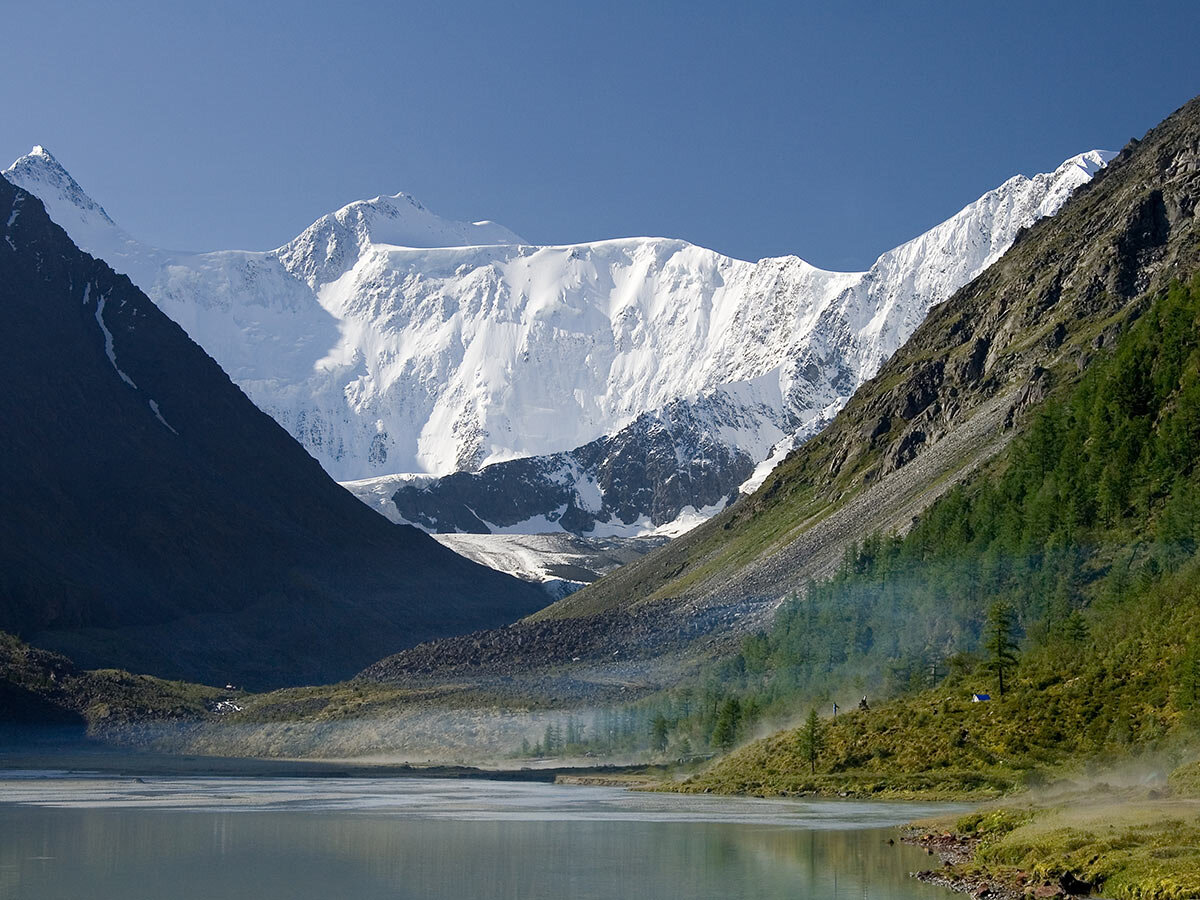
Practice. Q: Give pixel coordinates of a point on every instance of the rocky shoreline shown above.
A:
(956, 852)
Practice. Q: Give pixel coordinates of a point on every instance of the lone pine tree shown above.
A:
(812, 739)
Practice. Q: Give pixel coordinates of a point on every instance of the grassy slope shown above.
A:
(1121, 692)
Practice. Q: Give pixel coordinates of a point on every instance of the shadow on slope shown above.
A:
(155, 519)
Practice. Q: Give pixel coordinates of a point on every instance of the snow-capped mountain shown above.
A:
(388, 340)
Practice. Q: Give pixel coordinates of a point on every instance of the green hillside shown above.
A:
(1087, 528)
(1094, 503)
(1131, 686)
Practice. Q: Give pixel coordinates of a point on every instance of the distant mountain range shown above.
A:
(155, 519)
(464, 380)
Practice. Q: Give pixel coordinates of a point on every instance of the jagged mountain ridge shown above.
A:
(660, 474)
(382, 354)
(155, 519)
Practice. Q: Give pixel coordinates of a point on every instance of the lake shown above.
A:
(99, 837)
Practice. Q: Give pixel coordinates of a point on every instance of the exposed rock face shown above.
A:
(1028, 317)
(639, 479)
(155, 519)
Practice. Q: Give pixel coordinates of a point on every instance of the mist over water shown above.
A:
(101, 837)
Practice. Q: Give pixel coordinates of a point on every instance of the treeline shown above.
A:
(684, 724)
(1129, 687)
(1094, 503)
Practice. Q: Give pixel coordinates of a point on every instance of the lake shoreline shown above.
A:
(164, 764)
(953, 851)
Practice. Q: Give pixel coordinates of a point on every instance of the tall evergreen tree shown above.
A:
(812, 739)
(658, 733)
(1001, 642)
(724, 732)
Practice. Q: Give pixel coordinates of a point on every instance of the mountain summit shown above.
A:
(39, 169)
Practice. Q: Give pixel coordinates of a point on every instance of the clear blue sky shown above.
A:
(833, 130)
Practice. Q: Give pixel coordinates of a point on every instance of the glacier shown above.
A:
(443, 368)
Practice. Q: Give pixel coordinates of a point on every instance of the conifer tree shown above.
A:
(812, 739)
(658, 733)
(1001, 644)
(725, 730)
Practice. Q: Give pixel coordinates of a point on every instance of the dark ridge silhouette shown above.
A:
(152, 518)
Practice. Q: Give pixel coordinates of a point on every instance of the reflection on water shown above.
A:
(408, 838)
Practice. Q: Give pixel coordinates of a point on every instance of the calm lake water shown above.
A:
(102, 837)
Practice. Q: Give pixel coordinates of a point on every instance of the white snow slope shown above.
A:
(388, 340)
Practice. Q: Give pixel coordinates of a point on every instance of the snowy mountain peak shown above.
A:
(41, 174)
(330, 246)
(387, 340)
(401, 220)
(1091, 162)
(409, 197)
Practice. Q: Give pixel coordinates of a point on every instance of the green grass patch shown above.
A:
(1126, 848)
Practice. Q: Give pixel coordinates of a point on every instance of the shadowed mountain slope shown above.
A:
(155, 519)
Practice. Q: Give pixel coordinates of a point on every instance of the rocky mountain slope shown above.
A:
(388, 340)
(155, 519)
(943, 405)
(952, 396)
